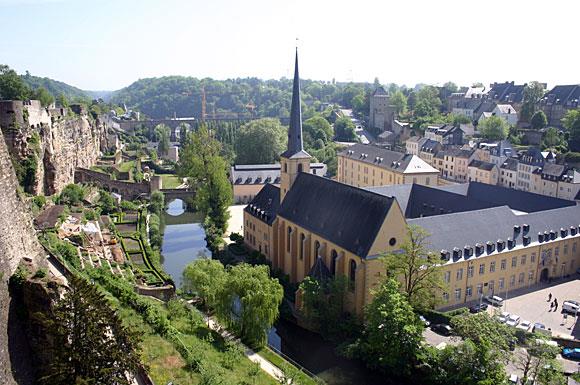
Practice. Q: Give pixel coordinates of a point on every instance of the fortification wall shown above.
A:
(17, 241)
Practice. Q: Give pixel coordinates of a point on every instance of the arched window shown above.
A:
(333, 258)
(288, 238)
(302, 238)
(316, 249)
(285, 167)
(352, 275)
(299, 167)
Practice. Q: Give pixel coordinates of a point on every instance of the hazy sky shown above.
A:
(108, 44)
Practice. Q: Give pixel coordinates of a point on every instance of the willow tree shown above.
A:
(417, 268)
(249, 302)
(204, 277)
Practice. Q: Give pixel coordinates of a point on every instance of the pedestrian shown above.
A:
(555, 305)
(549, 297)
(551, 306)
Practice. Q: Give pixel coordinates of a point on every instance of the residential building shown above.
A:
(508, 173)
(428, 150)
(446, 134)
(529, 162)
(413, 144)
(507, 113)
(364, 165)
(500, 152)
(558, 101)
(556, 180)
(482, 172)
(507, 93)
(452, 163)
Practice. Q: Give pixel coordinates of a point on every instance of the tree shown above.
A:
(533, 92)
(494, 128)
(399, 100)
(106, 202)
(393, 332)
(89, 341)
(539, 120)
(260, 141)
(551, 138)
(162, 133)
(345, 129)
(417, 267)
(157, 202)
(72, 194)
(571, 121)
(12, 87)
(427, 101)
(205, 278)
(45, 97)
(451, 87)
(457, 119)
(317, 128)
(250, 301)
(538, 363)
(570, 118)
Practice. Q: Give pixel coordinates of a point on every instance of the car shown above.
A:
(495, 300)
(541, 328)
(513, 320)
(571, 353)
(442, 329)
(503, 317)
(524, 325)
(425, 321)
(478, 308)
(570, 306)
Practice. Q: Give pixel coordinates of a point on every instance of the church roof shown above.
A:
(319, 271)
(265, 204)
(347, 216)
(295, 147)
(387, 159)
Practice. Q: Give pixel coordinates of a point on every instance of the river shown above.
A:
(183, 242)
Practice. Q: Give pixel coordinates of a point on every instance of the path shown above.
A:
(236, 221)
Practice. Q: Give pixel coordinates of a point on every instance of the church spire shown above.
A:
(295, 146)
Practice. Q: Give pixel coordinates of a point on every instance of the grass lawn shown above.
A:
(126, 166)
(170, 181)
(280, 362)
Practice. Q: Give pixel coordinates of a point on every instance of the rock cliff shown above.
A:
(17, 241)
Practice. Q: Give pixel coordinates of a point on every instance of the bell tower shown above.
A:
(294, 160)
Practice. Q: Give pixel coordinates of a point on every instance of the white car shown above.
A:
(524, 325)
(570, 306)
(513, 320)
(503, 317)
(495, 300)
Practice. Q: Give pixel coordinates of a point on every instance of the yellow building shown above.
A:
(483, 172)
(490, 239)
(365, 165)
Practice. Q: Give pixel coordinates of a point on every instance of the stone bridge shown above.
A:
(183, 194)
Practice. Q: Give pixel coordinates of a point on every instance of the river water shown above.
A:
(183, 242)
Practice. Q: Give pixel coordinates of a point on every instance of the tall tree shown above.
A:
(570, 117)
(538, 120)
(43, 95)
(399, 100)
(538, 363)
(204, 277)
(317, 128)
(12, 87)
(162, 133)
(532, 93)
(494, 128)
(418, 269)
(260, 141)
(89, 341)
(427, 101)
(393, 332)
(345, 129)
(551, 139)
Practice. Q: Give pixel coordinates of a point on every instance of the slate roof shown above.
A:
(380, 91)
(506, 109)
(503, 148)
(387, 159)
(455, 152)
(458, 230)
(266, 204)
(566, 95)
(429, 145)
(485, 106)
(510, 164)
(345, 215)
(533, 156)
(263, 173)
(507, 92)
(481, 165)
(319, 270)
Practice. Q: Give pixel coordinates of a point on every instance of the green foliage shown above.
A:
(204, 277)
(314, 129)
(260, 141)
(574, 136)
(539, 365)
(54, 88)
(40, 273)
(427, 102)
(162, 132)
(393, 333)
(89, 341)
(106, 202)
(457, 119)
(12, 87)
(539, 120)
(71, 195)
(43, 95)
(90, 215)
(418, 269)
(399, 100)
(157, 202)
(532, 93)
(494, 128)
(128, 206)
(345, 129)
(570, 118)
(553, 140)
(482, 327)
(38, 202)
(155, 236)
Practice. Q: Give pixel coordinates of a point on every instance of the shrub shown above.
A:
(40, 273)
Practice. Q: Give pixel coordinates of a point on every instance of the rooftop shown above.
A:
(387, 159)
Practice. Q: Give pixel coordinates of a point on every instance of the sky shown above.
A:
(108, 44)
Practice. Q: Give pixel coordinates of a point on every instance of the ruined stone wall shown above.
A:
(17, 241)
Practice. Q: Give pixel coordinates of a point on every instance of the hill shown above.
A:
(55, 87)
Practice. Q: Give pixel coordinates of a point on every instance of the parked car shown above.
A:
(570, 306)
(495, 300)
(503, 317)
(524, 325)
(571, 353)
(477, 308)
(442, 329)
(425, 321)
(513, 320)
(541, 328)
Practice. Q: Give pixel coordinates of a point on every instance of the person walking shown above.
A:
(555, 305)
(551, 306)
(549, 297)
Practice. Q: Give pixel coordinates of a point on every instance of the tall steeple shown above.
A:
(294, 160)
(295, 145)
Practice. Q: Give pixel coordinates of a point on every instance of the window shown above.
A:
(523, 259)
(470, 271)
(482, 269)
(333, 258)
(503, 264)
(459, 275)
(479, 288)
(302, 239)
(288, 238)
(521, 278)
(533, 257)
(501, 283)
(427, 181)
(490, 286)
(457, 294)
(557, 251)
(285, 167)
(352, 275)
(446, 297)
(531, 275)
(566, 249)
(514, 261)
(468, 291)
(492, 267)
(317, 249)
(512, 280)
(299, 167)
(574, 247)
(447, 276)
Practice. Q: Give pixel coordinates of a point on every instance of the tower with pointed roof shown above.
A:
(294, 160)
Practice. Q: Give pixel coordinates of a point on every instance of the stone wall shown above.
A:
(17, 241)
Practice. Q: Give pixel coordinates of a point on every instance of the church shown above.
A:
(312, 225)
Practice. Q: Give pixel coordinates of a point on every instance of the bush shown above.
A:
(40, 273)
(129, 206)
(237, 238)
(72, 194)
(38, 202)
